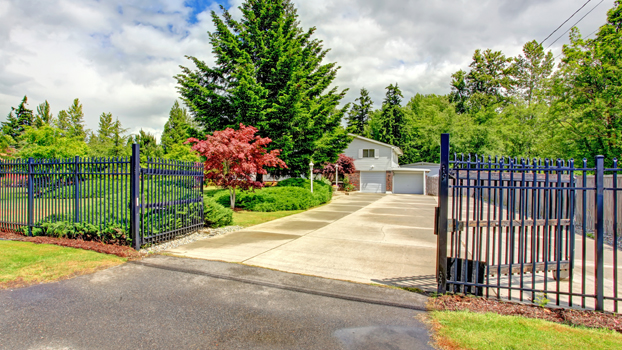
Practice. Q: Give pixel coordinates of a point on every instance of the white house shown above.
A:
(434, 167)
(378, 171)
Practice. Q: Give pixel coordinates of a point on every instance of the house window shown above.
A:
(368, 153)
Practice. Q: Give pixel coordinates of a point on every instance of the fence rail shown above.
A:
(154, 202)
(524, 230)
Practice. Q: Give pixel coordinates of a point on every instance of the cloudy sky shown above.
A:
(121, 56)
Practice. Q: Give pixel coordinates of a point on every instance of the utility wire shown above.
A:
(590, 11)
(568, 19)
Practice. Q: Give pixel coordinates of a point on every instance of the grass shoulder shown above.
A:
(25, 263)
(470, 330)
(247, 218)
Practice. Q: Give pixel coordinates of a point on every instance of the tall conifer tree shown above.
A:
(269, 74)
(359, 114)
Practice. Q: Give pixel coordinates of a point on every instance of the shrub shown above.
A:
(110, 234)
(215, 214)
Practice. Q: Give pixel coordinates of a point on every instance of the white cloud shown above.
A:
(121, 57)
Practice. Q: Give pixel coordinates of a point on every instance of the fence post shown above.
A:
(600, 225)
(76, 192)
(31, 197)
(134, 190)
(441, 229)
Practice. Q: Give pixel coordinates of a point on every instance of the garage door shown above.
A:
(408, 183)
(373, 182)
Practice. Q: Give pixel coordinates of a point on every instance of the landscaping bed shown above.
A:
(121, 251)
(592, 319)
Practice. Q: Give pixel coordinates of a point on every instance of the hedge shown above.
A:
(290, 194)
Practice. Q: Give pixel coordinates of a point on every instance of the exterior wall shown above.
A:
(386, 159)
(355, 179)
(434, 168)
(389, 181)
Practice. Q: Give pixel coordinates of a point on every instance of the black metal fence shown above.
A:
(508, 228)
(152, 202)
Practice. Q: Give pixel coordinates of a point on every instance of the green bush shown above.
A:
(110, 234)
(215, 214)
(290, 194)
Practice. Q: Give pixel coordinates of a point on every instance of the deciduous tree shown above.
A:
(234, 156)
(345, 165)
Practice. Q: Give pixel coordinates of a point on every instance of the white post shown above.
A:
(311, 174)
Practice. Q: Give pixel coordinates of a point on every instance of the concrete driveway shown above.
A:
(369, 238)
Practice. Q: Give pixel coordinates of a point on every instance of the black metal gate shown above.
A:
(507, 229)
(168, 196)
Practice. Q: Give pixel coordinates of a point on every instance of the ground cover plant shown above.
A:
(24, 263)
(469, 330)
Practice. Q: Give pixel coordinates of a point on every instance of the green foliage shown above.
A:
(359, 114)
(586, 93)
(215, 214)
(109, 234)
(290, 194)
(269, 74)
(50, 142)
(44, 115)
(110, 140)
(148, 144)
(18, 119)
(347, 186)
(71, 121)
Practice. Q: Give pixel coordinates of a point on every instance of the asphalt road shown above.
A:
(173, 303)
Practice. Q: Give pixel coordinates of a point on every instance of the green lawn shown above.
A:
(250, 218)
(24, 263)
(468, 330)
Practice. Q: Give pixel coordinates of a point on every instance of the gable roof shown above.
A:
(394, 148)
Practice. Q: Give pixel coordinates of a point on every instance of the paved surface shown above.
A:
(175, 303)
(386, 239)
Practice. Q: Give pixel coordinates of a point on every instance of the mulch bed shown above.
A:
(122, 251)
(573, 317)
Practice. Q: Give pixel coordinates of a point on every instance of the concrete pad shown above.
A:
(323, 215)
(292, 226)
(348, 260)
(369, 238)
(236, 246)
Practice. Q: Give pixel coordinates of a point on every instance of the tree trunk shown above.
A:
(259, 178)
(232, 197)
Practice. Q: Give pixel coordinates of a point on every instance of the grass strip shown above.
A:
(468, 330)
(25, 263)
(249, 218)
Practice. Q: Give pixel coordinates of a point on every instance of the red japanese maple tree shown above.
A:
(233, 156)
(345, 164)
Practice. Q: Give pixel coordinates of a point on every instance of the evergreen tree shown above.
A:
(269, 74)
(392, 118)
(76, 120)
(44, 115)
(119, 141)
(176, 129)
(18, 119)
(359, 114)
(148, 144)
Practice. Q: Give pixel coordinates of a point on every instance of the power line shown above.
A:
(590, 11)
(568, 19)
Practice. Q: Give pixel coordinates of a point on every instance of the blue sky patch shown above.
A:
(199, 6)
